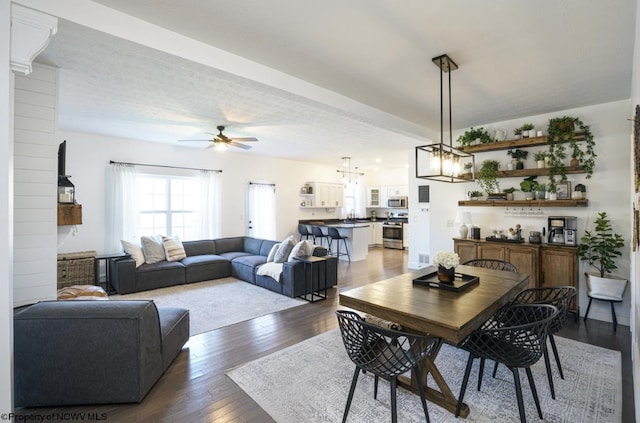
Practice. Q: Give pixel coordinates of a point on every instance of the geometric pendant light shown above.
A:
(440, 161)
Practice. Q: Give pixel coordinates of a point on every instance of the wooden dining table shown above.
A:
(450, 316)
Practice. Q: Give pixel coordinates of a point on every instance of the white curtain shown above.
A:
(122, 207)
(262, 210)
(208, 223)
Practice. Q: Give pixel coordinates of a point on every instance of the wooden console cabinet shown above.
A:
(547, 265)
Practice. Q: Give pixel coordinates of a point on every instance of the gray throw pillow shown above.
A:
(284, 250)
(153, 249)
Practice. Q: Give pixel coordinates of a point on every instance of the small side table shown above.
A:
(96, 268)
(315, 275)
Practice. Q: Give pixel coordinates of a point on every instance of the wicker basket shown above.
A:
(76, 269)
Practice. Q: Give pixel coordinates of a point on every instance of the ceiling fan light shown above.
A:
(220, 146)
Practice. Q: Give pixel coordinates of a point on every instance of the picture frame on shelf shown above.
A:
(563, 190)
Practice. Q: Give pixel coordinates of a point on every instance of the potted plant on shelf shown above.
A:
(467, 168)
(475, 195)
(487, 177)
(472, 135)
(518, 133)
(540, 157)
(528, 186)
(561, 130)
(509, 192)
(600, 248)
(526, 130)
(518, 155)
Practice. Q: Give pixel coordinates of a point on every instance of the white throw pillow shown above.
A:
(272, 252)
(302, 249)
(284, 250)
(174, 250)
(135, 251)
(153, 249)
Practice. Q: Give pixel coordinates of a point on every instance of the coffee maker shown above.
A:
(562, 230)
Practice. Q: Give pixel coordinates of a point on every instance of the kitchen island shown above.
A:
(357, 234)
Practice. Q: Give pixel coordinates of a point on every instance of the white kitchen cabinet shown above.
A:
(373, 197)
(323, 195)
(375, 233)
(397, 190)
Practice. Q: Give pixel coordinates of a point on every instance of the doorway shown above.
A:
(261, 210)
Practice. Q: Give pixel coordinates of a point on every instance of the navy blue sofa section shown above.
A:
(238, 257)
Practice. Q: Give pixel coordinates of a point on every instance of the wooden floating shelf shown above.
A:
(517, 143)
(525, 203)
(534, 171)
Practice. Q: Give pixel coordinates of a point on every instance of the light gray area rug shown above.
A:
(217, 303)
(309, 382)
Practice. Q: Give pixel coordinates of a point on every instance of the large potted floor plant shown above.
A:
(600, 248)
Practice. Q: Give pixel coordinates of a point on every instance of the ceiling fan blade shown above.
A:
(193, 140)
(237, 144)
(245, 139)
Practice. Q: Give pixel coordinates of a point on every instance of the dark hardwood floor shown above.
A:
(196, 389)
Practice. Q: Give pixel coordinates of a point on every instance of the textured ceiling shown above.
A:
(516, 59)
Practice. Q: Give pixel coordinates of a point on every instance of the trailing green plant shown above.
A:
(475, 194)
(518, 154)
(562, 130)
(540, 155)
(471, 134)
(487, 177)
(517, 132)
(601, 247)
(510, 190)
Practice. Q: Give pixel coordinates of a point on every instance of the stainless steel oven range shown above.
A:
(392, 235)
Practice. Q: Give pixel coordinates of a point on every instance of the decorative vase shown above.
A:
(539, 195)
(553, 196)
(446, 275)
(541, 164)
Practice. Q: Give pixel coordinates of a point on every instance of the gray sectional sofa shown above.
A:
(238, 257)
(93, 352)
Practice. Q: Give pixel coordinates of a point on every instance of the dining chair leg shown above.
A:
(588, 307)
(416, 374)
(354, 381)
(394, 411)
(534, 391)
(547, 365)
(495, 370)
(375, 387)
(516, 381)
(463, 388)
(555, 355)
(481, 373)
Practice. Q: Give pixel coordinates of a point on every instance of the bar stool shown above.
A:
(334, 235)
(304, 231)
(316, 231)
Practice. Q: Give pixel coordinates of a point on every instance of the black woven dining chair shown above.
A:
(514, 336)
(560, 297)
(492, 264)
(385, 353)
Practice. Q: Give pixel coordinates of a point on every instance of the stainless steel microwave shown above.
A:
(397, 203)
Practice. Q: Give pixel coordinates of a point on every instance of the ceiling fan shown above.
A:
(221, 142)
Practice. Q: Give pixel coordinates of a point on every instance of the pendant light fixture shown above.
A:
(440, 161)
(347, 175)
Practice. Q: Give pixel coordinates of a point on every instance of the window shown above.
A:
(168, 205)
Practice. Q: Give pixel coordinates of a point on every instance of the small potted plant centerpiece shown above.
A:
(471, 135)
(540, 157)
(446, 262)
(600, 248)
(487, 177)
(518, 155)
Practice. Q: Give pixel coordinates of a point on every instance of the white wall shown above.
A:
(607, 190)
(6, 212)
(88, 157)
(35, 161)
